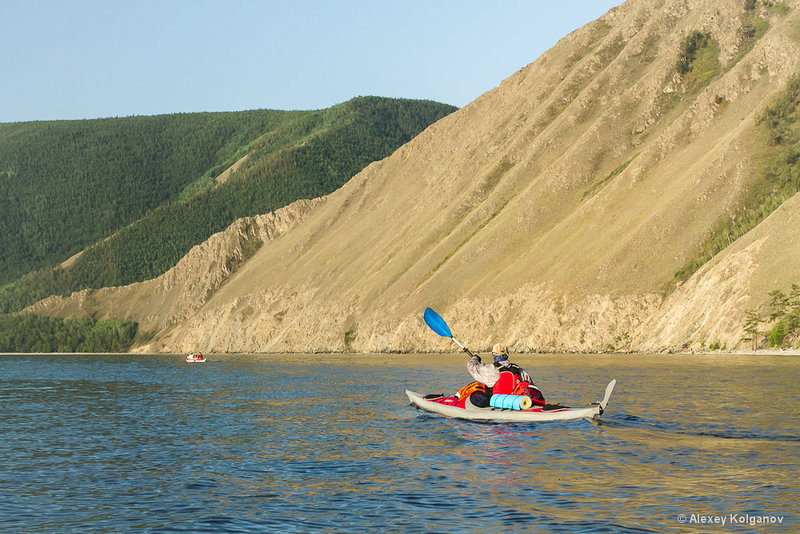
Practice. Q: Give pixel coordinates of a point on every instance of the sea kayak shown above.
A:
(538, 413)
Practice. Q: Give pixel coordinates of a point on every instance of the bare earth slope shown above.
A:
(170, 298)
(711, 305)
(552, 213)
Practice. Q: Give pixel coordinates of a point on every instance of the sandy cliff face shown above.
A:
(712, 305)
(172, 297)
(551, 213)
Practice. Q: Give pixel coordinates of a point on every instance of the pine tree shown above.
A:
(751, 325)
(777, 304)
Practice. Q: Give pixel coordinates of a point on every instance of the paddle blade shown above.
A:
(436, 323)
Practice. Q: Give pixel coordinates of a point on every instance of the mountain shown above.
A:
(131, 196)
(635, 188)
(68, 184)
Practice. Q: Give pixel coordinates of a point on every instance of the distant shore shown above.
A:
(760, 352)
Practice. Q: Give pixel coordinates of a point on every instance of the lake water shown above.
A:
(329, 443)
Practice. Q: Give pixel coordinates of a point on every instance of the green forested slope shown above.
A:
(146, 194)
(65, 185)
(35, 333)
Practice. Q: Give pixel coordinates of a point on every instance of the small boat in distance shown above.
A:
(198, 357)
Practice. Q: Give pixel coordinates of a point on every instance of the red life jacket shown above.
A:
(509, 379)
(509, 383)
(506, 384)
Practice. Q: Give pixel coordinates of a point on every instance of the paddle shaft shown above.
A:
(465, 349)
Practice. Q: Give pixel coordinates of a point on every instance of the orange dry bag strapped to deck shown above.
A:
(469, 389)
(476, 393)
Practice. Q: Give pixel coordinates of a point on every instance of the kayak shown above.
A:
(550, 412)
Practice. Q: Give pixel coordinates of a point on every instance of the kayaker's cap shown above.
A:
(500, 352)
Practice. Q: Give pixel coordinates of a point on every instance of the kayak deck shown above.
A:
(474, 413)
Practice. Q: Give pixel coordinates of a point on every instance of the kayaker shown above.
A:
(503, 376)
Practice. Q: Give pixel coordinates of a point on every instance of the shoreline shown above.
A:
(760, 352)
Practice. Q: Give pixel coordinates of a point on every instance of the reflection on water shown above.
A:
(253, 443)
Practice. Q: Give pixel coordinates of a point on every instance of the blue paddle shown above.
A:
(438, 325)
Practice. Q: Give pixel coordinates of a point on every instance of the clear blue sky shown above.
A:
(113, 58)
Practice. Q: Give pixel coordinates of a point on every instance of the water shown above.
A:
(328, 443)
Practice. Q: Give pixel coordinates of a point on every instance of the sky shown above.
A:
(85, 59)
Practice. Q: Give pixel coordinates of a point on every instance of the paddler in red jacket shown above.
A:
(503, 376)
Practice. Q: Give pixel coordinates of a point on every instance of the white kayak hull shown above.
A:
(473, 413)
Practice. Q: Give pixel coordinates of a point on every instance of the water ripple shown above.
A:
(261, 444)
